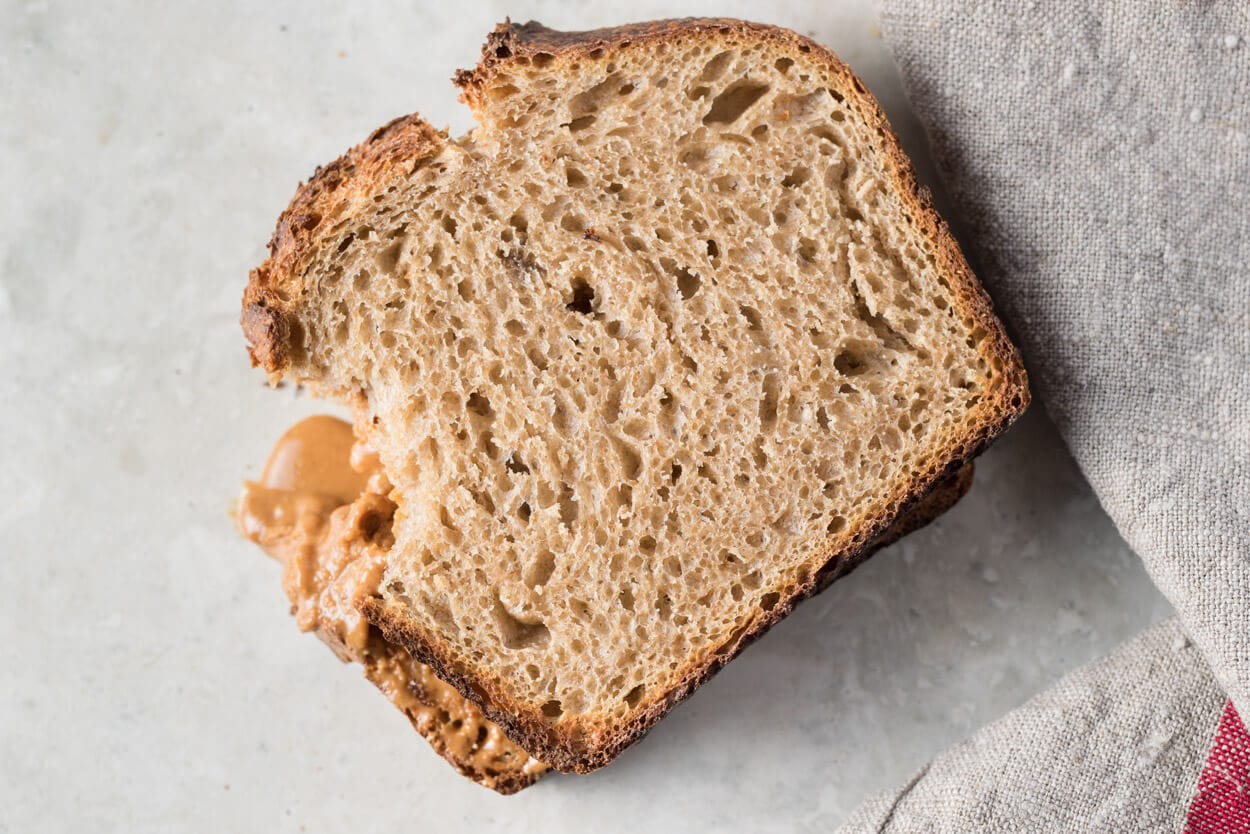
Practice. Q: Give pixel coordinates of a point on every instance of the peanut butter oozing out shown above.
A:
(321, 508)
(315, 455)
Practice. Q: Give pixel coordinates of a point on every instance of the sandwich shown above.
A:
(666, 344)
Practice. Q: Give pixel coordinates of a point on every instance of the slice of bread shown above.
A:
(649, 357)
(326, 547)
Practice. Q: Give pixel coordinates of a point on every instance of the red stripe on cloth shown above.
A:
(1222, 803)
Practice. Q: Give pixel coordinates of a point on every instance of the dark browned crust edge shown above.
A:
(927, 509)
(580, 745)
(272, 333)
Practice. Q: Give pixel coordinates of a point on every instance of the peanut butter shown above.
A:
(321, 508)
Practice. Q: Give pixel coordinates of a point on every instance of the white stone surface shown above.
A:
(153, 680)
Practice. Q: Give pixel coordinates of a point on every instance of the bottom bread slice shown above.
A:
(328, 524)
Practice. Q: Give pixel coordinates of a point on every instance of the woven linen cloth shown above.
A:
(1117, 746)
(1097, 155)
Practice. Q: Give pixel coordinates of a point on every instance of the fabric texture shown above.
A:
(1221, 805)
(1117, 746)
(1097, 155)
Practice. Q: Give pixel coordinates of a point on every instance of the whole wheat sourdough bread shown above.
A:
(651, 356)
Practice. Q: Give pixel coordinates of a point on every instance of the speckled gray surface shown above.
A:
(154, 681)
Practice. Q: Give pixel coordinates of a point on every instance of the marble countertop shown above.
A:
(153, 678)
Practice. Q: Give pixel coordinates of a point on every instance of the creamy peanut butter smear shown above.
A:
(321, 509)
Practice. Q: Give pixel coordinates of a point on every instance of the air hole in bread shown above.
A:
(771, 389)
(582, 297)
(630, 457)
(541, 569)
(754, 322)
(807, 250)
(536, 356)
(451, 532)
(479, 406)
(634, 696)
(797, 177)
(484, 500)
(516, 633)
(729, 106)
(716, 67)
(854, 359)
(687, 283)
(664, 606)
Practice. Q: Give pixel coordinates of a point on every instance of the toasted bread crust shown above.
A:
(272, 335)
(944, 495)
(586, 743)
